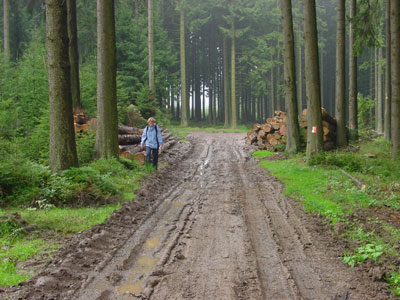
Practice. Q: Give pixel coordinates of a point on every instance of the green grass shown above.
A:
(202, 126)
(323, 189)
(64, 221)
(263, 154)
(307, 184)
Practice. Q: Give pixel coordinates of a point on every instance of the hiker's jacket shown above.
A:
(151, 137)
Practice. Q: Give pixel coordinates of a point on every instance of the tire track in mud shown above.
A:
(218, 228)
(133, 271)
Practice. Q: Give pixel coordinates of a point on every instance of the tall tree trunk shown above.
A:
(388, 76)
(353, 90)
(6, 29)
(272, 88)
(314, 118)
(321, 67)
(278, 80)
(184, 106)
(379, 113)
(107, 121)
(226, 82)
(62, 136)
(152, 86)
(172, 106)
(340, 111)
(136, 8)
(74, 56)
(293, 132)
(395, 54)
(299, 75)
(233, 76)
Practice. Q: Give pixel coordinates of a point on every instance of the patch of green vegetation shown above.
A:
(17, 246)
(324, 189)
(68, 220)
(307, 184)
(394, 280)
(203, 126)
(368, 251)
(263, 154)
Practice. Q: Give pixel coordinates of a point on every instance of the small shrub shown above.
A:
(368, 251)
(394, 281)
(85, 147)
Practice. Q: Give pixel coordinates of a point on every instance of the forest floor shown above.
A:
(211, 224)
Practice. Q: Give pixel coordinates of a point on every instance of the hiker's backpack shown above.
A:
(147, 129)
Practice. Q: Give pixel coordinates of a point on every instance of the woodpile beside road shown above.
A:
(129, 138)
(271, 134)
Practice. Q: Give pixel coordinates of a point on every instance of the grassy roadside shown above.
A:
(202, 126)
(368, 219)
(44, 209)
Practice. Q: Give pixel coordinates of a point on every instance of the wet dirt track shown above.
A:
(218, 228)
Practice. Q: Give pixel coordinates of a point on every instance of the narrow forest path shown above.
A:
(217, 227)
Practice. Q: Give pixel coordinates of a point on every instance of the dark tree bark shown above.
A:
(226, 82)
(293, 132)
(353, 89)
(388, 80)
(379, 100)
(152, 87)
(74, 56)
(6, 29)
(62, 136)
(107, 122)
(184, 106)
(341, 138)
(314, 118)
(299, 75)
(395, 54)
(233, 76)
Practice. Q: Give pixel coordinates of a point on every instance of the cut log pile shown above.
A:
(129, 138)
(273, 133)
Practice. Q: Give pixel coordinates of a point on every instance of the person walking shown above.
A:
(152, 140)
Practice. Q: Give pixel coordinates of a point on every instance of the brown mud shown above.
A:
(211, 224)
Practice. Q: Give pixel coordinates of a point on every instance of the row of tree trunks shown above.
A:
(273, 132)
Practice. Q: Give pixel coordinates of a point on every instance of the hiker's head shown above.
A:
(151, 121)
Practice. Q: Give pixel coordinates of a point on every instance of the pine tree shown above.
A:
(314, 118)
(107, 122)
(353, 89)
(293, 132)
(62, 136)
(184, 105)
(341, 138)
(388, 79)
(74, 55)
(395, 59)
(6, 29)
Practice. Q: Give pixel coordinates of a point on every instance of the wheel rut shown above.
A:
(216, 227)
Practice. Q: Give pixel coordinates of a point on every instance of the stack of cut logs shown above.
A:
(273, 133)
(129, 139)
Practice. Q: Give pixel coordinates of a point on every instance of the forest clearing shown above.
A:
(277, 125)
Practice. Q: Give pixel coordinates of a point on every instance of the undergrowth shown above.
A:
(325, 190)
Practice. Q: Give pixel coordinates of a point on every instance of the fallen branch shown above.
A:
(359, 183)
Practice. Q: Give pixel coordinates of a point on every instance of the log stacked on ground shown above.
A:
(273, 133)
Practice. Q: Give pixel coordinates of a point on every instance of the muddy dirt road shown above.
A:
(212, 226)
